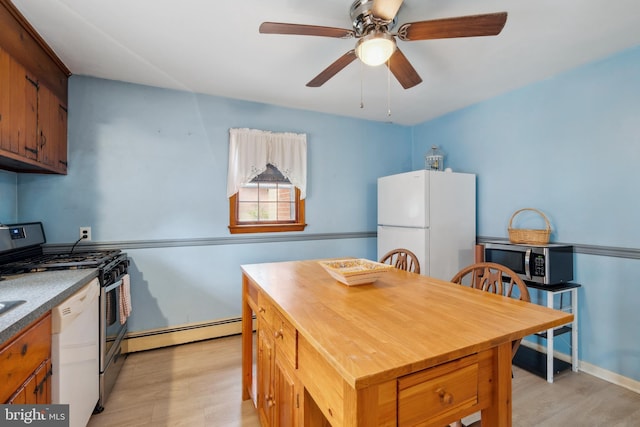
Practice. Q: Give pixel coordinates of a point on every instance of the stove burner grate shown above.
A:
(62, 261)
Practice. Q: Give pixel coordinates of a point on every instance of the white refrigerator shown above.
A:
(431, 213)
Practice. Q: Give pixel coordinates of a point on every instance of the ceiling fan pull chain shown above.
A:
(389, 87)
(361, 85)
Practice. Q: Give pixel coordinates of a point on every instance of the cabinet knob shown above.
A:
(278, 334)
(261, 310)
(270, 401)
(445, 397)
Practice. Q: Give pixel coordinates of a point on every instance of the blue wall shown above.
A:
(8, 197)
(569, 146)
(148, 166)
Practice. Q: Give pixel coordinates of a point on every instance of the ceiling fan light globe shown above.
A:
(375, 48)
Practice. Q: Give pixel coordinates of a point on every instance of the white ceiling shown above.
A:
(213, 47)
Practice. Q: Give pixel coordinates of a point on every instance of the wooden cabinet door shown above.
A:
(46, 127)
(61, 136)
(23, 358)
(287, 401)
(265, 401)
(5, 102)
(278, 388)
(51, 139)
(37, 389)
(18, 108)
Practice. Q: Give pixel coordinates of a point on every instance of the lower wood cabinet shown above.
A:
(25, 365)
(279, 392)
(37, 388)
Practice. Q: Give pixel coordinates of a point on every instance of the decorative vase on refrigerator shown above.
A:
(431, 213)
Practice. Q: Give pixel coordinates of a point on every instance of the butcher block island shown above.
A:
(404, 350)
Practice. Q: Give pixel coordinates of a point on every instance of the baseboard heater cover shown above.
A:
(164, 337)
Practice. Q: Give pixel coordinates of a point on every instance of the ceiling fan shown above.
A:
(373, 21)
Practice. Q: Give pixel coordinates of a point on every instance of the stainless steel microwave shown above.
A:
(549, 264)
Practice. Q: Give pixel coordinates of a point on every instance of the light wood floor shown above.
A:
(199, 385)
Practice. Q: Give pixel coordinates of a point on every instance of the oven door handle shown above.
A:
(113, 286)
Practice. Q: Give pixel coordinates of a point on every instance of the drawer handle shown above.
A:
(24, 350)
(41, 385)
(445, 398)
(262, 310)
(279, 334)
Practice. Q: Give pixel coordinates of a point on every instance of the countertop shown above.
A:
(41, 291)
(401, 323)
(406, 349)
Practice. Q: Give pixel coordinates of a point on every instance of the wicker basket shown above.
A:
(529, 236)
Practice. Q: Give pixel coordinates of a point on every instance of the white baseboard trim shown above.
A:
(192, 332)
(590, 369)
(609, 376)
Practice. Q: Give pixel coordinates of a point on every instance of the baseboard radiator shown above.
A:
(165, 337)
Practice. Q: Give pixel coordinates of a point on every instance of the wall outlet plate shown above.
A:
(85, 233)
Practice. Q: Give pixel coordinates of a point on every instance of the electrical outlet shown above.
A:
(85, 233)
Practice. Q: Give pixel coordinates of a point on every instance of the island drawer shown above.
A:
(266, 310)
(284, 333)
(252, 293)
(438, 392)
(286, 340)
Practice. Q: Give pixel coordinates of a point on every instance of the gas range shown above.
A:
(21, 251)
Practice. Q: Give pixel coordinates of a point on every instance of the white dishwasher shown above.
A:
(75, 354)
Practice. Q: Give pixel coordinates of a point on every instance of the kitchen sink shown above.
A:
(8, 305)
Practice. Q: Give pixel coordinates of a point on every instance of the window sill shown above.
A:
(266, 228)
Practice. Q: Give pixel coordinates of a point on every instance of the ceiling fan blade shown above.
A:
(386, 9)
(304, 30)
(462, 26)
(403, 70)
(333, 69)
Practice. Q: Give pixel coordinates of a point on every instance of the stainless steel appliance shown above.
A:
(549, 264)
(22, 252)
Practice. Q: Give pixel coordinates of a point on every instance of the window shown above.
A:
(266, 181)
(269, 202)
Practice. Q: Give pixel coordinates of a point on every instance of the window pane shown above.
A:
(268, 211)
(248, 193)
(286, 193)
(286, 211)
(247, 211)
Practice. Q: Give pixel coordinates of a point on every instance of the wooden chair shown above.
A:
(402, 259)
(496, 278)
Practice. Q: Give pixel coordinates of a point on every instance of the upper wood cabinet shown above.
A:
(33, 99)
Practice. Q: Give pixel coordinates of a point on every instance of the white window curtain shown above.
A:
(250, 150)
